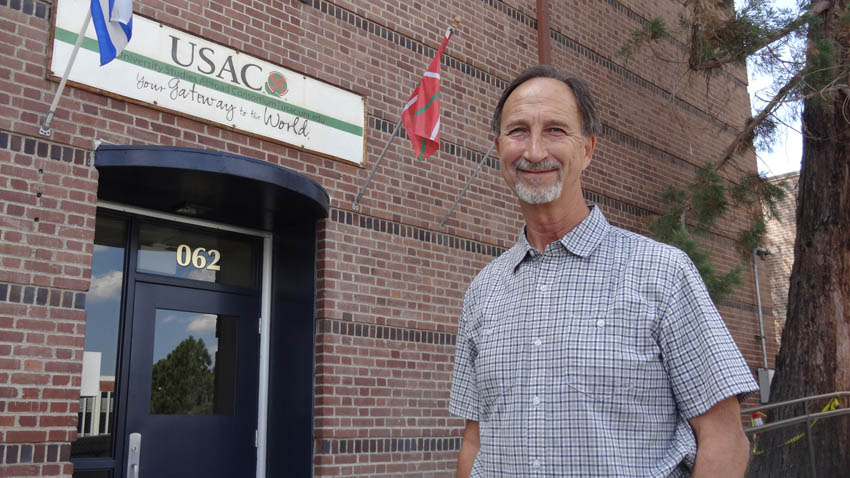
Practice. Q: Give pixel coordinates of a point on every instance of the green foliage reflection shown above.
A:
(183, 382)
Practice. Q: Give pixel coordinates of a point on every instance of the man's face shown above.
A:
(540, 143)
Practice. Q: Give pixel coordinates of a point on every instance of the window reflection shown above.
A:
(194, 364)
(103, 317)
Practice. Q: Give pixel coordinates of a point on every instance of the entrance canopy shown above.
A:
(208, 185)
(239, 191)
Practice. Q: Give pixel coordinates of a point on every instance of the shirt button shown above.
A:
(538, 342)
(542, 287)
(535, 464)
(535, 400)
(600, 323)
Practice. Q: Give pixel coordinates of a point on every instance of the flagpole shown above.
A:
(356, 205)
(468, 183)
(44, 129)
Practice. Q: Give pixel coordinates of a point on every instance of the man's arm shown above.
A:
(468, 449)
(722, 447)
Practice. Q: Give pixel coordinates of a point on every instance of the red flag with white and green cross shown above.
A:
(421, 114)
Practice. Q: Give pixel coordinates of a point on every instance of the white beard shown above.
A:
(534, 193)
(538, 194)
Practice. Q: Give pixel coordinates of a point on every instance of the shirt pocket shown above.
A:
(605, 359)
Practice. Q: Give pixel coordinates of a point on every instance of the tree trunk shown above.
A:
(814, 357)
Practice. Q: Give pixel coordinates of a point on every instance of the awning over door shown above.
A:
(208, 185)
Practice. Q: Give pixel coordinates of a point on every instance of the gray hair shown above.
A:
(590, 122)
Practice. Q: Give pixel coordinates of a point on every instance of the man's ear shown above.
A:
(496, 143)
(589, 146)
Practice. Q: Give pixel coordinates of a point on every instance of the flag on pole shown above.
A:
(113, 23)
(421, 114)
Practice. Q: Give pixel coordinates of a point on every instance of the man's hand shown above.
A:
(722, 447)
(468, 449)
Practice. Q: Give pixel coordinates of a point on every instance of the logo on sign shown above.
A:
(276, 84)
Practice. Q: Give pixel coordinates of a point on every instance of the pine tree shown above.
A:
(183, 382)
(814, 356)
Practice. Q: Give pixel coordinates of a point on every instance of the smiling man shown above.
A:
(587, 350)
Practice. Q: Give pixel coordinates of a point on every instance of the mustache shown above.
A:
(546, 164)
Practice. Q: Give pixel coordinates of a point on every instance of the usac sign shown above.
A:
(188, 75)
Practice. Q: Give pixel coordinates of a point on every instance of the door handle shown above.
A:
(134, 455)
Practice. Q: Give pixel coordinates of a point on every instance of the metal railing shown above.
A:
(95, 415)
(809, 418)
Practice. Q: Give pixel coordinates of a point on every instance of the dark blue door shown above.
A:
(193, 380)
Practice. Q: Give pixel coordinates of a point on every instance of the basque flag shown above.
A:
(421, 114)
(113, 23)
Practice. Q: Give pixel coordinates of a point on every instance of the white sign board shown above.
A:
(174, 70)
(90, 385)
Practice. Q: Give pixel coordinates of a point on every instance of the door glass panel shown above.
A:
(196, 255)
(194, 364)
(103, 316)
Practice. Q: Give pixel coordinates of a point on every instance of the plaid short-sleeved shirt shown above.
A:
(589, 359)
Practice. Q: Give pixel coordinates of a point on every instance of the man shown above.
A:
(586, 350)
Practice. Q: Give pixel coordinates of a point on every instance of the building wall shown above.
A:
(390, 280)
(781, 233)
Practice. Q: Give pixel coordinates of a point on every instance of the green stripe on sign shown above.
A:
(214, 84)
(427, 105)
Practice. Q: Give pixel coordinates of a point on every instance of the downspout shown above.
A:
(544, 45)
(764, 374)
(759, 252)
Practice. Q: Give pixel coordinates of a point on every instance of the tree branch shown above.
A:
(816, 9)
(747, 132)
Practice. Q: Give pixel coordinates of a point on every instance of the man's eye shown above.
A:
(556, 130)
(515, 131)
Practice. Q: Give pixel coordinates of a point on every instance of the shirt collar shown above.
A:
(581, 241)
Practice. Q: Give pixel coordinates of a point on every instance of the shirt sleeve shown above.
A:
(702, 361)
(463, 401)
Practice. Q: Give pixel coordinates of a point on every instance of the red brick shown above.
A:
(8, 392)
(14, 471)
(39, 325)
(25, 436)
(30, 379)
(9, 364)
(11, 336)
(61, 393)
(33, 366)
(33, 351)
(63, 367)
(28, 421)
(65, 340)
(49, 421)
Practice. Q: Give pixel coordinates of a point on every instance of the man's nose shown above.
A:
(535, 149)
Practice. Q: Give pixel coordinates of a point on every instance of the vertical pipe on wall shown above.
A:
(758, 252)
(765, 374)
(544, 46)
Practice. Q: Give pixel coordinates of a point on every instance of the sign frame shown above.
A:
(50, 76)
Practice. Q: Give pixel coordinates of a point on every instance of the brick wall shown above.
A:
(47, 194)
(781, 233)
(390, 281)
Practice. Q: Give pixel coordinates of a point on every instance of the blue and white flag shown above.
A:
(113, 23)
